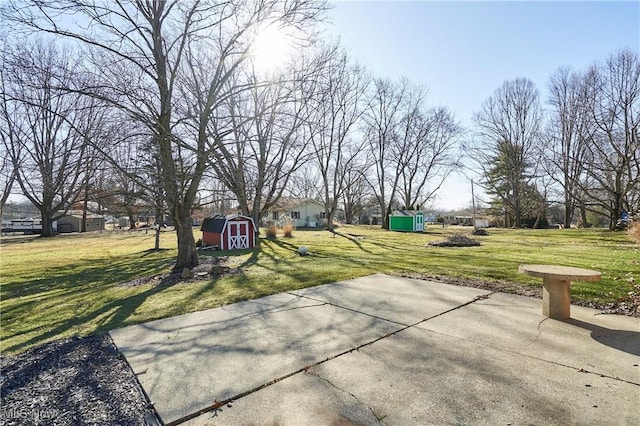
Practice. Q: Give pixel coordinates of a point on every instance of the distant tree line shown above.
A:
(161, 106)
(582, 152)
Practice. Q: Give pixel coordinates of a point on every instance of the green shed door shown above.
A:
(401, 223)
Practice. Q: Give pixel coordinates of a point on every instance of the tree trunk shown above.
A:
(517, 212)
(568, 214)
(47, 224)
(256, 220)
(330, 216)
(348, 215)
(159, 223)
(583, 215)
(187, 254)
(536, 225)
(85, 205)
(616, 209)
(132, 218)
(157, 243)
(385, 219)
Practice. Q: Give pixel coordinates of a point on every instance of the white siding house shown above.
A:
(303, 212)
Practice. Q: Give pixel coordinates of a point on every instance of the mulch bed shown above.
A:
(457, 240)
(75, 381)
(208, 267)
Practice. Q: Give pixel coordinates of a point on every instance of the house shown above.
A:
(303, 212)
(230, 232)
(406, 221)
(467, 218)
(72, 222)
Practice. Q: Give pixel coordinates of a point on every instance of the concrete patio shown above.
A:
(388, 350)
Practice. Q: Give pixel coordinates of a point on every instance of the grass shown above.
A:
(69, 285)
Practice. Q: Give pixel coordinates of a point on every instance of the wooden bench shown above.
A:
(556, 286)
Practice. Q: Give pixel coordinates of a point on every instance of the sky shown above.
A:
(462, 51)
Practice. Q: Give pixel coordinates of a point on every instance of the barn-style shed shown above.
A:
(406, 220)
(231, 232)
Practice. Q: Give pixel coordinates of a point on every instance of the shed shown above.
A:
(231, 232)
(72, 222)
(406, 221)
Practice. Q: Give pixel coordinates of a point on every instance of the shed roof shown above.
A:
(406, 212)
(216, 223)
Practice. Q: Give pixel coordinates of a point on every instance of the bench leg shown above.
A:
(556, 300)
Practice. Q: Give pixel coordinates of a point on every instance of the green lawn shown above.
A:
(69, 285)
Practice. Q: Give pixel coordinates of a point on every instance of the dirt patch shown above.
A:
(457, 240)
(209, 267)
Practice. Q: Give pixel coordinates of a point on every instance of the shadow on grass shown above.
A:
(354, 238)
(82, 273)
(153, 250)
(119, 311)
(77, 287)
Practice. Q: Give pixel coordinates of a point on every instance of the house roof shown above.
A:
(79, 213)
(79, 216)
(290, 203)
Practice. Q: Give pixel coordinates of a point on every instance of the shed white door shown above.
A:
(419, 223)
(238, 235)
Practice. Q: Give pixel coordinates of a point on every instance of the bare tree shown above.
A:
(411, 146)
(217, 198)
(128, 177)
(424, 151)
(7, 170)
(336, 108)
(139, 52)
(305, 183)
(508, 127)
(569, 125)
(259, 143)
(381, 122)
(613, 166)
(10, 120)
(357, 191)
(48, 144)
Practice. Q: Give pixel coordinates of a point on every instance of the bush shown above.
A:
(287, 228)
(272, 231)
(634, 232)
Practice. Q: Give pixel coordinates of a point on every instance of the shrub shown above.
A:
(287, 228)
(634, 232)
(272, 231)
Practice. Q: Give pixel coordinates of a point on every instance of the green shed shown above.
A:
(406, 221)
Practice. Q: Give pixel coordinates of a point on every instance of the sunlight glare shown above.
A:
(271, 49)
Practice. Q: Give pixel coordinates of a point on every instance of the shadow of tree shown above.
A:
(77, 294)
